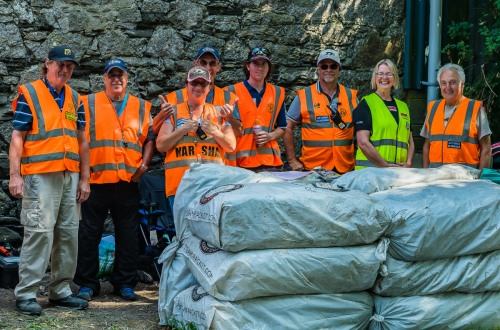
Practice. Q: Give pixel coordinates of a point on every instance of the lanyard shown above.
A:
(122, 106)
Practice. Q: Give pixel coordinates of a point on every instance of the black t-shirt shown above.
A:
(362, 116)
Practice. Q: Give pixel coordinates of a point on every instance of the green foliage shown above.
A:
(173, 324)
(485, 85)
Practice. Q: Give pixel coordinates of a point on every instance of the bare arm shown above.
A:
(262, 137)
(83, 190)
(411, 151)
(425, 154)
(15, 153)
(147, 154)
(485, 152)
(294, 163)
(363, 138)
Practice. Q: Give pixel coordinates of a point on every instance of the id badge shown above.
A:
(454, 144)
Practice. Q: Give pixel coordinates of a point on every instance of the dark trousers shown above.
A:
(122, 201)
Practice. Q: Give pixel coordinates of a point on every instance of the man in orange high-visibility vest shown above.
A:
(49, 170)
(456, 128)
(121, 144)
(324, 111)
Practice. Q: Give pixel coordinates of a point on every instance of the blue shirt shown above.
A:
(23, 117)
(257, 96)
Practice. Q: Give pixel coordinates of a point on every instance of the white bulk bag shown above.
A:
(373, 179)
(443, 219)
(251, 216)
(442, 311)
(323, 311)
(257, 273)
(467, 274)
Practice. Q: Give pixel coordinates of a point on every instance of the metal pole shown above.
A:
(434, 48)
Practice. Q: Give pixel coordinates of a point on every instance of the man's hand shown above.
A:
(210, 128)
(83, 191)
(16, 186)
(262, 137)
(295, 165)
(166, 108)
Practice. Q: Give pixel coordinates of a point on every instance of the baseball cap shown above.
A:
(198, 72)
(328, 54)
(210, 50)
(259, 53)
(62, 53)
(115, 63)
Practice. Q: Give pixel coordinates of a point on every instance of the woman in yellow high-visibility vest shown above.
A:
(382, 123)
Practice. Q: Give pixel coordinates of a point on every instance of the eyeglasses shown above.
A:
(384, 74)
(208, 63)
(201, 83)
(333, 66)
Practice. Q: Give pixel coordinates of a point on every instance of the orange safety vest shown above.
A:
(115, 141)
(190, 148)
(52, 144)
(323, 143)
(247, 154)
(220, 97)
(458, 142)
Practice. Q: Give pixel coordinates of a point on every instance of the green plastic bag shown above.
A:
(106, 256)
(490, 174)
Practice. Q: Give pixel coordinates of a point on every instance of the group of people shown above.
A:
(68, 149)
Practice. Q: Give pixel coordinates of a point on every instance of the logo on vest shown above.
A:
(317, 105)
(270, 107)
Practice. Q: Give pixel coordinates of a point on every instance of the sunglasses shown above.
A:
(201, 83)
(208, 63)
(333, 66)
(259, 51)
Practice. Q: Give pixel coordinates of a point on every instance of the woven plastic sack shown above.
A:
(373, 179)
(442, 311)
(323, 311)
(106, 256)
(257, 273)
(252, 216)
(443, 219)
(467, 274)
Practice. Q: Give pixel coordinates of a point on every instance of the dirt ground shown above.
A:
(106, 311)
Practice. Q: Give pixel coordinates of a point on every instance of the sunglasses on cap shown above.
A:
(333, 66)
(259, 52)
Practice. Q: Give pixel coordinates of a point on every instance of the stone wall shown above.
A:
(158, 39)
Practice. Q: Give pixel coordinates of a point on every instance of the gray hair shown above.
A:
(452, 67)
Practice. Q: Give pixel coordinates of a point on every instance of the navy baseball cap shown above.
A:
(116, 63)
(259, 53)
(210, 50)
(62, 53)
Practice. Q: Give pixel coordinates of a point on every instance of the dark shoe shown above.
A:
(127, 294)
(85, 293)
(71, 302)
(29, 307)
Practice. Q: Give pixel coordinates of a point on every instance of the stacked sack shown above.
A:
(273, 255)
(443, 264)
